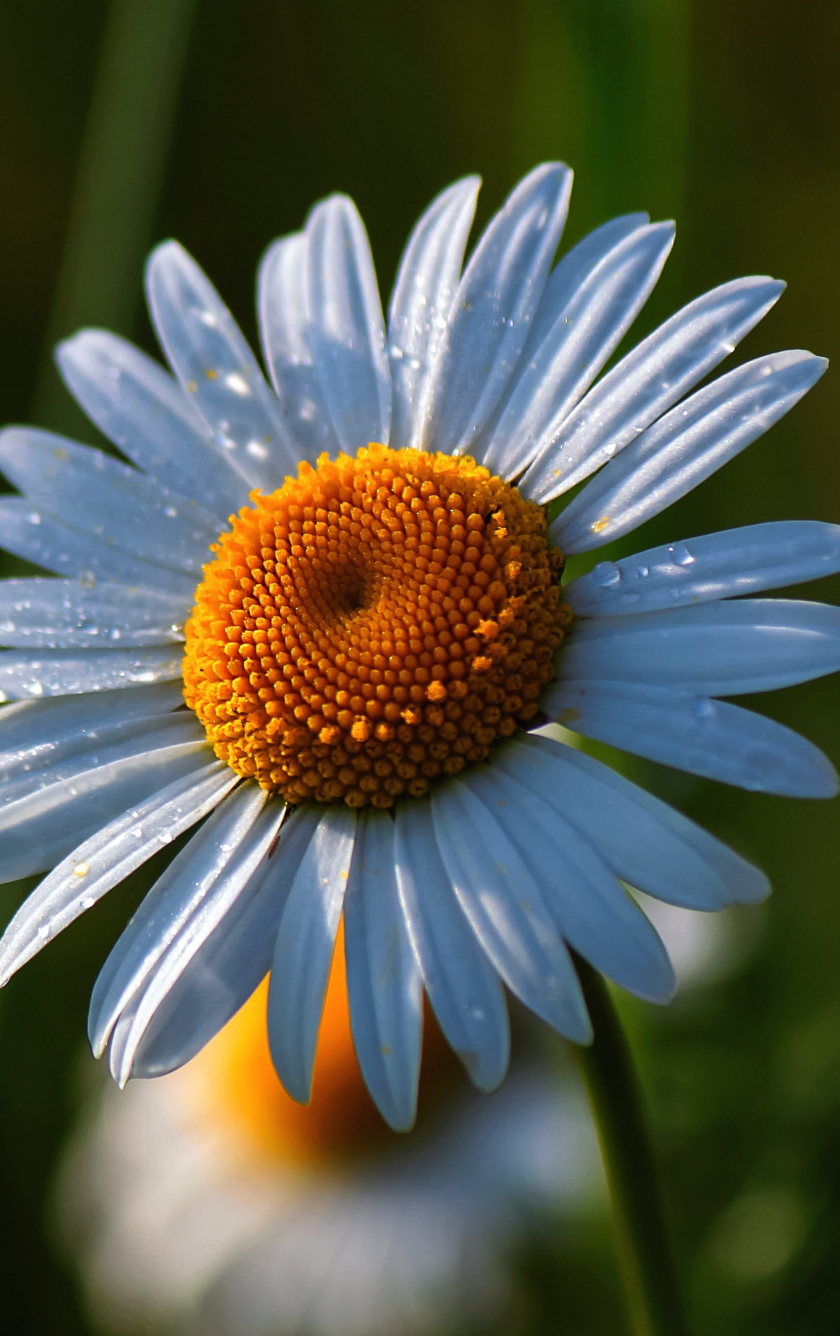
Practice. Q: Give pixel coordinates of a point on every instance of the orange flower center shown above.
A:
(373, 624)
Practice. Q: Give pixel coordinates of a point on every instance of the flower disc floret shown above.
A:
(376, 623)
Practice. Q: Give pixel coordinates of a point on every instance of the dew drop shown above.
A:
(643, 572)
(703, 708)
(44, 931)
(680, 555)
(606, 574)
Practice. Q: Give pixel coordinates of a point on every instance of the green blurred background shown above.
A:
(725, 115)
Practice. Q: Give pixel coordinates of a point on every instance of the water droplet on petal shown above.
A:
(643, 572)
(606, 574)
(703, 708)
(680, 555)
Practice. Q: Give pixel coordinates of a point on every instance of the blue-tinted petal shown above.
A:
(594, 914)
(303, 952)
(50, 814)
(283, 299)
(684, 447)
(648, 381)
(347, 331)
(190, 884)
(31, 533)
(38, 733)
(214, 364)
(422, 300)
(117, 504)
(230, 964)
(146, 1008)
(641, 839)
(463, 987)
(61, 672)
(164, 971)
(117, 849)
(493, 310)
(716, 565)
(715, 649)
(560, 363)
(146, 413)
(383, 980)
(62, 614)
(693, 733)
(507, 909)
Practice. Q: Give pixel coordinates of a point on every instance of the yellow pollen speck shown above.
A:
(377, 623)
(600, 524)
(568, 715)
(81, 869)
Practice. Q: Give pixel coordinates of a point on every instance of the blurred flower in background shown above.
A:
(209, 1196)
(210, 1200)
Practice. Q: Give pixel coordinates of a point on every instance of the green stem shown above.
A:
(615, 1097)
(118, 181)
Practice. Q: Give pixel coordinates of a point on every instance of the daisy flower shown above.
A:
(209, 1201)
(381, 629)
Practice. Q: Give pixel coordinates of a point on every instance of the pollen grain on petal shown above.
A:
(376, 623)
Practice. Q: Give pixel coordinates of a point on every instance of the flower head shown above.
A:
(382, 630)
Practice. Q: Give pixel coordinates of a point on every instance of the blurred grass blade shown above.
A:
(120, 172)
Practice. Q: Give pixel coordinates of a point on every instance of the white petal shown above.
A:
(493, 309)
(383, 980)
(107, 857)
(645, 842)
(463, 987)
(715, 565)
(186, 883)
(38, 733)
(726, 648)
(422, 299)
(115, 503)
(148, 1005)
(283, 299)
(684, 447)
(594, 914)
(577, 327)
(63, 614)
(658, 372)
(214, 364)
(507, 910)
(303, 952)
(693, 733)
(64, 673)
(228, 963)
(31, 533)
(146, 413)
(347, 331)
